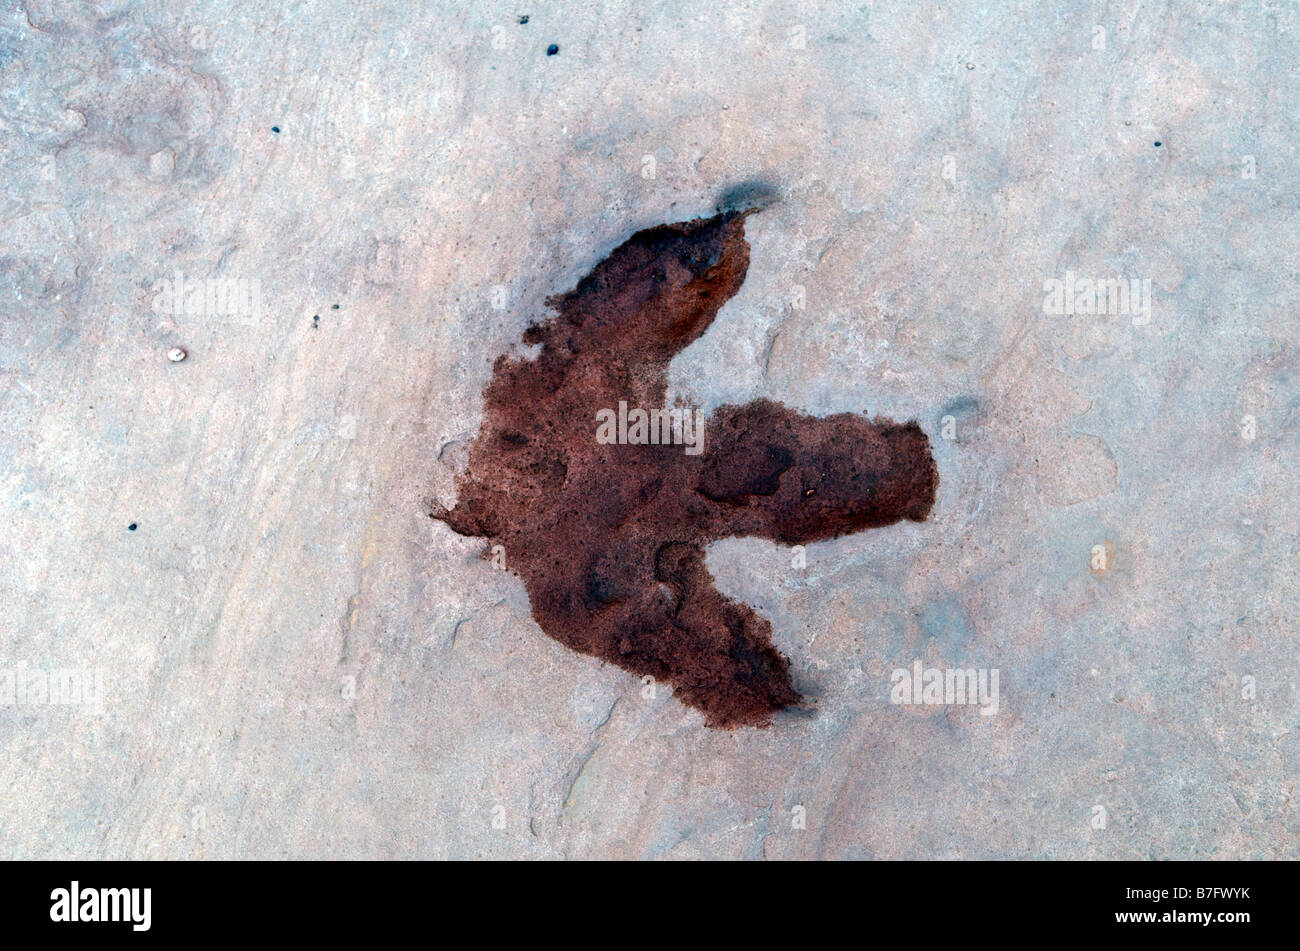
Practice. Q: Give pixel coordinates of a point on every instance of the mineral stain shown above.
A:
(609, 539)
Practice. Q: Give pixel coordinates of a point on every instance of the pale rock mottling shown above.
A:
(299, 663)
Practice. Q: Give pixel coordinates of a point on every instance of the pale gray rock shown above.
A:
(297, 662)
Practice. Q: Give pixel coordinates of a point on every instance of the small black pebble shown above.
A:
(523, 19)
(275, 129)
(315, 320)
(131, 527)
(552, 50)
(334, 306)
(1157, 145)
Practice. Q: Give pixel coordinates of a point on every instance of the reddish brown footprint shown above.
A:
(609, 537)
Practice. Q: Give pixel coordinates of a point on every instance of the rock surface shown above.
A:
(296, 661)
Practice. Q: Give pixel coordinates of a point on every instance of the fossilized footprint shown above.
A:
(609, 537)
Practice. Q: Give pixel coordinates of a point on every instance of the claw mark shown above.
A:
(610, 539)
(465, 620)
(568, 796)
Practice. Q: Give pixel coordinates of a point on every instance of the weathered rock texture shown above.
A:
(299, 662)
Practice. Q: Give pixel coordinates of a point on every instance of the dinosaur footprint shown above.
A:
(609, 537)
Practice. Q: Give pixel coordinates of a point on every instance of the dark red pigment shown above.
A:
(609, 539)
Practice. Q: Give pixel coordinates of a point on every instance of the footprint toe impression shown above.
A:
(605, 511)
